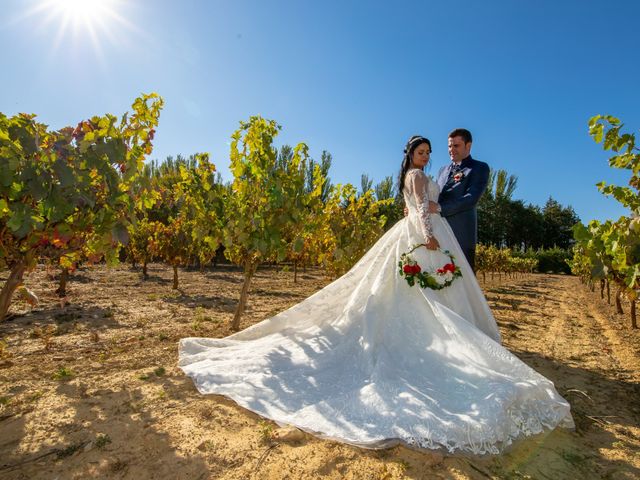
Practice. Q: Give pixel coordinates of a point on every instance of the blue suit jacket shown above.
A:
(458, 200)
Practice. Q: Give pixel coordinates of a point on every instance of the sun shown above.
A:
(83, 12)
(73, 24)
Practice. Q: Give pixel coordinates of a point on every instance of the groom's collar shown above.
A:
(465, 162)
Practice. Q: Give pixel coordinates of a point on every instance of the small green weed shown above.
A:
(158, 372)
(517, 475)
(142, 322)
(208, 445)
(573, 458)
(70, 450)
(266, 431)
(35, 396)
(118, 466)
(63, 373)
(102, 439)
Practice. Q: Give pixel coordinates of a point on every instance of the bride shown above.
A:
(371, 361)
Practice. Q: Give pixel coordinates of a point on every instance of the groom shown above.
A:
(462, 183)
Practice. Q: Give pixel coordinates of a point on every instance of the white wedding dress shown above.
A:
(370, 361)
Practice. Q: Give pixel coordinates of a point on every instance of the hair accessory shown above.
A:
(416, 139)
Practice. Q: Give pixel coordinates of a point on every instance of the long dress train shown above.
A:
(372, 362)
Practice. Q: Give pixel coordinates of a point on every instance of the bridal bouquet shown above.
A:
(437, 280)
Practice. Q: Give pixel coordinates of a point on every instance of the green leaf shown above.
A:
(20, 222)
(597, 132)
(64, 173)
(8, 168)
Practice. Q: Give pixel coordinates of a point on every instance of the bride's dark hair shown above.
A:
(412, 144)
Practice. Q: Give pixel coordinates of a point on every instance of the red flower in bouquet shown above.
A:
(409, 269)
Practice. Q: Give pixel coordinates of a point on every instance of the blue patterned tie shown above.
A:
(453, 169)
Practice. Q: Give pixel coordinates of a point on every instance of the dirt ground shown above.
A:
(92, 390)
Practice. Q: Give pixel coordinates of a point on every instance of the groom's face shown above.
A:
(458, 150)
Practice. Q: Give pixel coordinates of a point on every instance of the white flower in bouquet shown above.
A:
(440, 278)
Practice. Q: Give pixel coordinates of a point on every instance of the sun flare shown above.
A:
(72, 24)
(83, 12)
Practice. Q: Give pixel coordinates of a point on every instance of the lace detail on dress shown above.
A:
(423, 209)
(417, 185)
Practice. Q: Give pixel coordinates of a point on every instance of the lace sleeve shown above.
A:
(419, 182)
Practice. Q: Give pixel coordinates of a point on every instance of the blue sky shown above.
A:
(354, 78)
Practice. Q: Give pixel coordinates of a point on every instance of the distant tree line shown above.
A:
(505, 222)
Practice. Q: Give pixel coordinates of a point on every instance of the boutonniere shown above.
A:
(458, 176)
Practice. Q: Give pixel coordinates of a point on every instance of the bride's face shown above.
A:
(421, 155)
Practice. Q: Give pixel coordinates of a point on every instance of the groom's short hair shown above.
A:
(462, 132)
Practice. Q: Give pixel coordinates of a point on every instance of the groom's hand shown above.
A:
(406, 211)
(434, 207)
(432, 243)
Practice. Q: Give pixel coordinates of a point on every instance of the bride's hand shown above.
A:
(432, 243)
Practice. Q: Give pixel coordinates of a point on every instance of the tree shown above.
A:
(392, 210)
(325, 165)
(613, 248)
(525, 227)
(71, 192)
(301, 236)
(494, 209)
(140, 240)
(366, 184)
(188, 214)
(350, 225)
(558, 222)
(268, 199)
(384, 189)
(505, 222)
